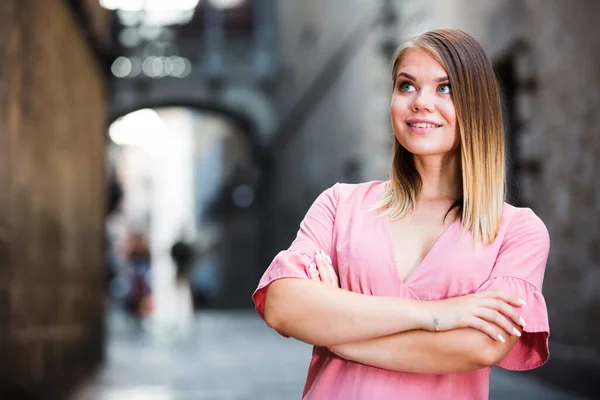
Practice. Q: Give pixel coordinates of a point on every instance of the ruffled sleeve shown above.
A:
(316, 232)
(519, 269)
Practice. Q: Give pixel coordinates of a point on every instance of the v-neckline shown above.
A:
(418, 267)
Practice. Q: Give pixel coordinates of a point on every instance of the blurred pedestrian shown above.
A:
(414, 287)
(182, 254)
(183, 257)
(139, 301)
(114, 198)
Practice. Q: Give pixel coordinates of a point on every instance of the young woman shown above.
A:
(413, 288)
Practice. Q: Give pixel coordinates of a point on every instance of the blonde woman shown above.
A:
(413, 288)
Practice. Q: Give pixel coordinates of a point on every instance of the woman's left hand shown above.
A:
(322, 270)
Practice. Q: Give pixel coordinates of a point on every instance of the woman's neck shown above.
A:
(440, 176)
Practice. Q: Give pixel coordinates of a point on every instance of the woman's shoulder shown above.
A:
(517, 221)
(358, 192)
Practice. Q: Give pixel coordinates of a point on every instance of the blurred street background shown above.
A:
(232, 355)
(156, 154)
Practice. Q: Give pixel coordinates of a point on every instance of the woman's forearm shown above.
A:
(425, 352)
(326, 316)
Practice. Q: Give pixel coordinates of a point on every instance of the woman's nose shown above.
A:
(423, 102)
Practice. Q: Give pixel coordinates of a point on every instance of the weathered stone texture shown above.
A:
(339, 129)
(51, 199)
(568, 48)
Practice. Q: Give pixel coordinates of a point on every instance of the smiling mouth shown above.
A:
(422, 125)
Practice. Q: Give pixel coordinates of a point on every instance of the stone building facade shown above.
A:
(333, 99)
(51, 200)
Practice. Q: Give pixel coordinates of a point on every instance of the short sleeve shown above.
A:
(316, 232)
(519, 269)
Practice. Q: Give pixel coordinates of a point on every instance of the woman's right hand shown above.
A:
(484, 311)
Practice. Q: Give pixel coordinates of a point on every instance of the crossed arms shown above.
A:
(383, 332)
(397, 334)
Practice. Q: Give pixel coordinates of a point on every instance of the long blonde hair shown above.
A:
(476, 100)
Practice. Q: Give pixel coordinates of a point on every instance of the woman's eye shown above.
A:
(406, 87)
(444, 88)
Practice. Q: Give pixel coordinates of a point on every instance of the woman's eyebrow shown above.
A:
(412, 78)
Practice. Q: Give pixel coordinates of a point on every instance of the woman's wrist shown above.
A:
(425, 317)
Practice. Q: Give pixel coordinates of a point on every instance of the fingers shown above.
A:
(506, 297)
(321, 270)
(495, 317)
(499, 301)
(488, 329)
(325, 269)
(313, 272)
(511, 313)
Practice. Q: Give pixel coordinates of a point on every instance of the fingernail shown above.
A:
(501, 338)
(523, 324)
(523, 302)
(516, 332)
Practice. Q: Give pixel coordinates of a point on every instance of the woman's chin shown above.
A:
(426, 150)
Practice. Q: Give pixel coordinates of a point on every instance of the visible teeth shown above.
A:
(423, 125)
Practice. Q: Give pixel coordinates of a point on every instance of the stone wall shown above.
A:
(51, 200)
(567, 49)
(334, 102)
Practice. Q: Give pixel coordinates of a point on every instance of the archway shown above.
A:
(189, 173)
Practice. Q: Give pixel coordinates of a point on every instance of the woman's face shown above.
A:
(422, 111)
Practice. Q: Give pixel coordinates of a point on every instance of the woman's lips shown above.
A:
(422, 128)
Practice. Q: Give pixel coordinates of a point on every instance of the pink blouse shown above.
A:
(358, 240)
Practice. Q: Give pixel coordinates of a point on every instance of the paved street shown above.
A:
(231, 356)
